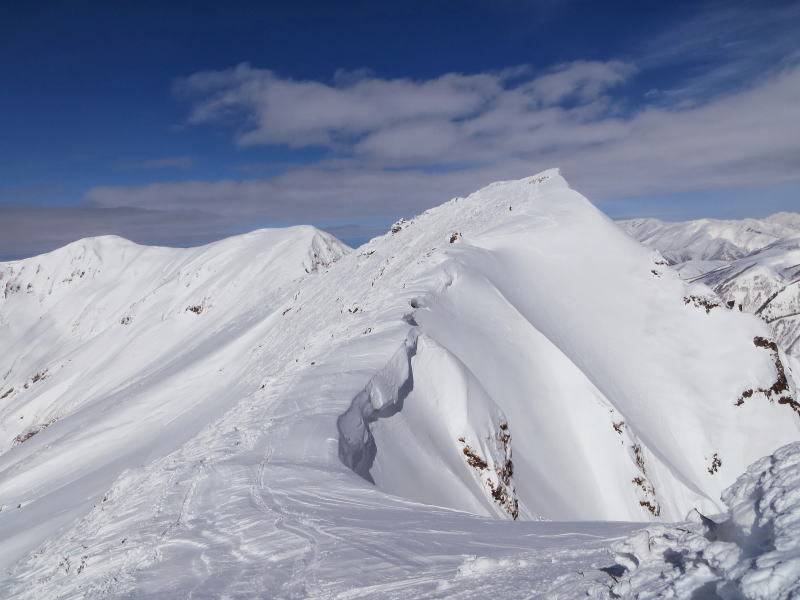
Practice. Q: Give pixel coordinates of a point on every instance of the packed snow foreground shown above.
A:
(480, 403)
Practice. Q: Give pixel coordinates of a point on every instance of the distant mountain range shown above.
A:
(752, 263)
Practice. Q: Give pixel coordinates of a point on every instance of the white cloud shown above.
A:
(742, 139)
(497, 126)
(747, 138)
(274, 110)
(312, 194)
(584, 80)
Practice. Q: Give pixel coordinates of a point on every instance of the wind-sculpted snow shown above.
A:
(274, 416)
(752, 551)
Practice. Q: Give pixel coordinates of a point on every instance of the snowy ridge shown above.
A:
(510, 355)
(109, 333)
(127, 299)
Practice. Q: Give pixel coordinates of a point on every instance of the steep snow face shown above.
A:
(511, 355)
(753, 551)
(712, 239)
(762, 274)
(606, 367)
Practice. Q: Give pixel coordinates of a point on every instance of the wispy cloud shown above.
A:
(722, 46)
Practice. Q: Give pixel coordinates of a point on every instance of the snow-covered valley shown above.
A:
(481, 402)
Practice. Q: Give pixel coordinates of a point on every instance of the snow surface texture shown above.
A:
(752, 552)
(274, 415)
(752, 264)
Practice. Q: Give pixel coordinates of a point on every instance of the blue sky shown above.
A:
(178, 123)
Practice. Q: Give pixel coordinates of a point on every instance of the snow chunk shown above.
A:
(474, 566)
(754, 552)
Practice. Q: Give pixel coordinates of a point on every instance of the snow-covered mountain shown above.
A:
(752, 264)
(275, 415)
(712, 239)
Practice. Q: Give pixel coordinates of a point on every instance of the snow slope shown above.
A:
(750, 263)
(273, 415)
(116, 355)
